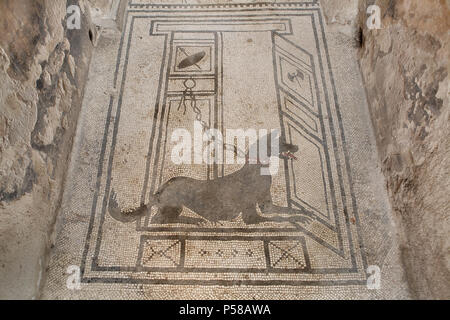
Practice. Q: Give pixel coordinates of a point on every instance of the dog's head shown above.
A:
(287, 151)
(275, 148)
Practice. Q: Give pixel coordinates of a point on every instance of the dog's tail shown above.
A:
(127, 216)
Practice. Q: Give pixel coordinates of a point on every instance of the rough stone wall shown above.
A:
(43, 68)
(405, 68)
(108, 14)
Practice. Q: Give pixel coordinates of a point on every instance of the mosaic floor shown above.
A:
(229, 66)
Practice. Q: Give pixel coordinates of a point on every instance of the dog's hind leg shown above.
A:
(168, 215)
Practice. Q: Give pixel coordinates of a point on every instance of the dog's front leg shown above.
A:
(271, 210)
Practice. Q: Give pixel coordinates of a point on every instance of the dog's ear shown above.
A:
(254, 149)
(113, 200)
